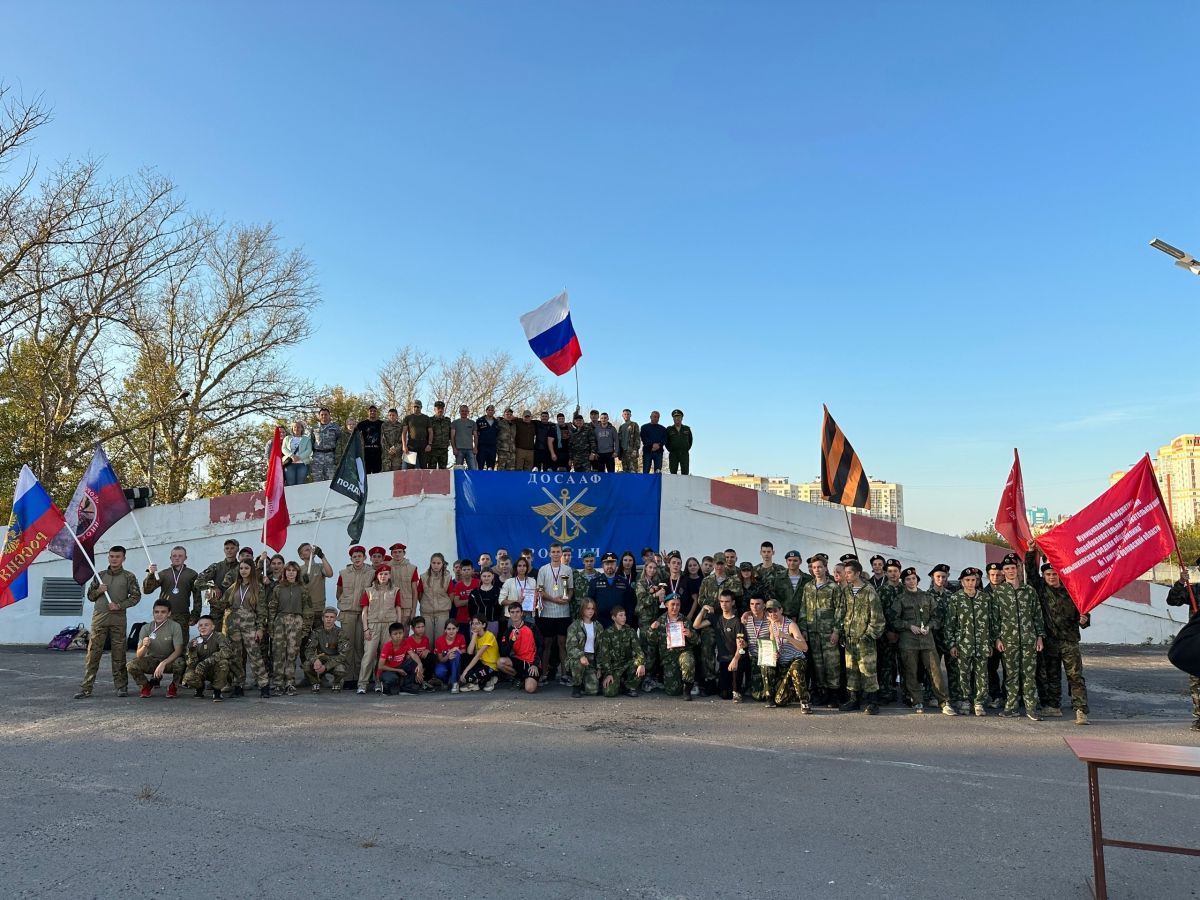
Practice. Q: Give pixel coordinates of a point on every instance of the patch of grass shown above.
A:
(147, 793)
(369, 843)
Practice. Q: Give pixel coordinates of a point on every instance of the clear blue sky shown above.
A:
(931, 216)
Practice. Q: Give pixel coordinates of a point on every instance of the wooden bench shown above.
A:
(1129, 756)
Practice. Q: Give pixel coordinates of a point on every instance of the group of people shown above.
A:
(507, 442)
(808, 633)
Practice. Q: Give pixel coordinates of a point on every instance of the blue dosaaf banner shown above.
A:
(594, 511)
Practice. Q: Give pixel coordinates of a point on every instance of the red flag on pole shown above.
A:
(1011, 519)
(276, 520)
(1124, 532)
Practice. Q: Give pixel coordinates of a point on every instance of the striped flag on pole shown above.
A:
(842, 477)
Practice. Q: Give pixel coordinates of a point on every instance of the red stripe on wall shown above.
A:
(996, 554)
(410, 482)
(731, 496)
(236, 507)
(1135, 592)
(877, 531)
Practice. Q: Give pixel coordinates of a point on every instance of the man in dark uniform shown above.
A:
(679, 443)
(995, 663)
(371, 429)
(417, 438)
(610, 590)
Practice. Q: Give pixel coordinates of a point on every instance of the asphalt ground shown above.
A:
(508, 795)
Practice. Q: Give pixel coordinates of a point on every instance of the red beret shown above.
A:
(398, 546)
(378, 550)
(358, 548)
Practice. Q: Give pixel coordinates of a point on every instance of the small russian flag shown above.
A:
(551, 335)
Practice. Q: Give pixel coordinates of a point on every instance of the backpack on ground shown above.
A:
(63, 640)
(131, 641)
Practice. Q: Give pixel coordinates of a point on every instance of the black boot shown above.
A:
(200, 692)
(872, 708)
(687, 690)
(217, 698)
(238, 691)
(851, 703)
(264, 692)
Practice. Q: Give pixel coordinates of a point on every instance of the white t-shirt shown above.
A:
(556, 582)
(589, 646)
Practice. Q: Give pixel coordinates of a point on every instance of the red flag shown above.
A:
(1011, 519)
(1124, 532)
(275, 523)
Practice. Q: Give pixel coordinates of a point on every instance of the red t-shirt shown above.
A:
(441, 645)
(461, 590)
(412, 642)
(524, 647)
(392, 655)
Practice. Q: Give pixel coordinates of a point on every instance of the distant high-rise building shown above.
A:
(1178, 478)
(1038, 515)
(887, 498)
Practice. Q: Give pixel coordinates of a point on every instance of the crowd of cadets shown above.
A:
(839, 637)
(505, 442)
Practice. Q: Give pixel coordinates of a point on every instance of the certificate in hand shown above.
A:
(766, 653)
(675, 638)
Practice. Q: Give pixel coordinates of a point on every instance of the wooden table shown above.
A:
(1129, 756)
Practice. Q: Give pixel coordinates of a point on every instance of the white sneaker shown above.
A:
(454, 688)
(491, 684)
(379, 688)
(948, 710)
(361, 690)
(695, 691)
(980, 711)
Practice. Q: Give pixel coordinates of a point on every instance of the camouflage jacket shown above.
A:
(916, 608)
(1060, 616)
(646, 603)
(330, 646)
(581, 444)
(792, 599)
(392, 438)
(581, 581)
(820, 607)
(217, 646)
(629, 437)
(710, 591)
(441, 431)
(616, 648)
(660, 636)
(968, 625)
(888, 594)
(577, 638)
(860, 616)
(942, 600)
(1017, 616)
(768, 575)
(505, 436)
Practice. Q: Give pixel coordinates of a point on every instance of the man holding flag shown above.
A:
(113, 591)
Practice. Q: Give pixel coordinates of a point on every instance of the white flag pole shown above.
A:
(91, 561)
(317, 529)
(142, 537)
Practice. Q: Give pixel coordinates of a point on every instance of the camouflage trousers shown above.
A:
(886, 666)
(506, 460)
(706, 662)
(287, 634)
(140, 669)
(218, 611)
(912, 682)
(952, 675)
(1195, 686)
(581, 463)
(623, 679)
(785, 682)
(649, 650)
(861, 660)
(323, 466)
(586, 678)
(348, 618)
(972, 677)
(113, 629)
(1020, 676)
(826, 661)
(337, 672)
(239, 628)
(436, 458)
(1054, 658)
(214, 669)
(631, 461)
(679, 670)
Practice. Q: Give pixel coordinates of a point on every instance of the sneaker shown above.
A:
(1032, 717)
(632, 692)
(146, 692)
(172, 691)
(491, 684)
(469, 687)
(576, 693)
(200, 693)
(316, 689)
(84, 695)
(361, 690)
(454, 688)
(980, 711)
(770, 704)
(871, 709)
(918, 707)
(291, 690)
(564, 679)
(695, 691)
(737, 698)
(1081, 717)
(1007, 713)
(379, 688)
(122, 692)
(1053, 711)
(805, 709)
(337, 688)
(948, 710)
(428, 687)
(963, 707)
(217, 698)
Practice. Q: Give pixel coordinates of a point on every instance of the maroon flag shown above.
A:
(1011, 519)
(1124, 532)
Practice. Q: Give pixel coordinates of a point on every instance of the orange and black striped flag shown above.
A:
(842, 477)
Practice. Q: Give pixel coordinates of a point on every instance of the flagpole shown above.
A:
(578, 405)
(145, 546)
(850, 530)
(91, 561)
(317, 529)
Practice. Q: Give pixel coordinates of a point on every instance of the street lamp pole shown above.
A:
(1183, 260)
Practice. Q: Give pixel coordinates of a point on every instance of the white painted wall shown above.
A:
(690, 523)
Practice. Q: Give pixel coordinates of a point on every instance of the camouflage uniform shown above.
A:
(142, 667)
(967, 628)
(679, 663)
(1060, 649)
(919, 608)
(818, 620)
(330, 647)
(582, 581)
(1017, 621)
(860, 623)
(392, 437)
(176, 588)
(942, 601)
(587, 678)
(241, 622)
(290, 611)
(648, 610)
(886, 652)
(208, 660)
(581, 444)
(629, 443)
(791, 598)
(109, 625)
(768, 576)
(325, 446)
(440, 443)
(619, 653)
(217, 578)
(1178, 596)
(506, 447)
(785, 681)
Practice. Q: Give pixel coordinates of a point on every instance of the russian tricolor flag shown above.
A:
(34, 521)
(552, 336)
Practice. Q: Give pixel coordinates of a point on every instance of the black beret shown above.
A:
(1010, 560)
(911, 570)
(940, 567)
(994, 567)
(893, 562)
(846, 557)
(876, 557)
(969, 570)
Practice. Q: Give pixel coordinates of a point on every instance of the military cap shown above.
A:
(746, 567)
(1046, 566)
(877, 557)
(994, 567)
(718, 559)
(911, 570)
(792, 553)
(1010, 560)
(247, 551)
(398, 546)
(893, 562)
(677, 412)
(609, 555)
(588, 554)
(940, 567)
(649, 550)
(813, 559)
(774, 604)
(358, 548)
(383, 567)
(846, 557)
(378, 550)
(969, 570)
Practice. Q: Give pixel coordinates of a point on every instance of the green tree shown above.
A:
(988, 535)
